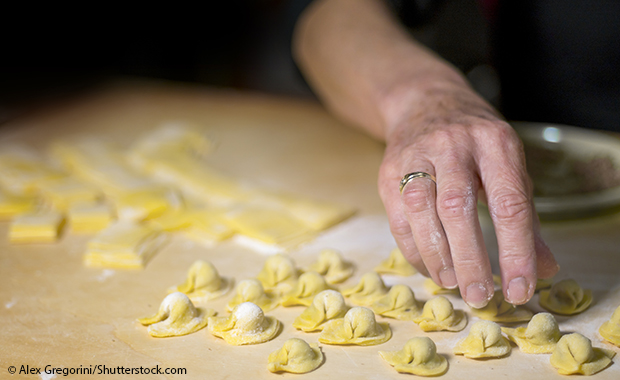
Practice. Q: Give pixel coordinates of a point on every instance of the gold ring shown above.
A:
(411, 176)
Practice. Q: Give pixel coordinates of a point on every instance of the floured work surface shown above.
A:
(56, 311)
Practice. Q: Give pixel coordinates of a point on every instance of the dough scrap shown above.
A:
(307, 287)
(610, 330)
(485, 340)
(279, 274)
(247, 324)
(498, 310)
(62, 192)
(90, 217)
(418, 357)
(123, 244)
(574, 354)
(539, 337)
(145, 204)
(332, 266)
(251, 290)
(435, 289)
(204, 282)
(40, 227)
(296, 356)
(438, 314)
(326, 306)
(22, 171)
(207, 227)
(12, 205)
(358, 327)
(177, 316)
(396, 264)
(565, 297)
(399, 303)
(368, 290)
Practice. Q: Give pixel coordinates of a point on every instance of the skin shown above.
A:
(370, 72)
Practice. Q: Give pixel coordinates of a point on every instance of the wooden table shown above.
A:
(54, 311)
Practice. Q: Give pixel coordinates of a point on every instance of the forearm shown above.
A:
(369, 71)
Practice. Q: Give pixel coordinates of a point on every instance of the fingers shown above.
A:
(418, 201)
(546, 266)
(457, 209)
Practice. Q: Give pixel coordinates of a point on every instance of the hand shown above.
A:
(474, 155)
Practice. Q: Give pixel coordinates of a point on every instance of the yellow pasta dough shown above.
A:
(279, 274)
(41, 227)
(204, 282)
(368, 290)
(296, 356)
(396, 264)
(358, 327)
(435, 289)
(245, 325)
(12, 205)
(610, 330)
(62, 192)
(498, 310)
(399, 303)
(332, 266)
(146, 203)
(309, 285)
(22, 171)
(206, 227)
(484, 341)
(87, 217)
(438, 314)
(565, 297)
(326, 306)
(539, 337)
(574, 354)
(176, 316)
(418, 357)
(251, 290)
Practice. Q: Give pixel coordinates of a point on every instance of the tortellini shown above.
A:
(309, 285)
(574, 354)
(204, 282)
(247, 324)
(396, 264)
(539, 337)
(565, 297)
(251, 290)
(368, 290)
(498, 310)
(332, 266)
(279, 274)
(435, 289)
(438, 314)
(610, 330)
(418, 357)
(485, 340)
(176, 316)
(358, 327)
(399, 303)
(296, 356)
(327, 305)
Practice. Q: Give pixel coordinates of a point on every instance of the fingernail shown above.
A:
(518, 290)
(477, 295)
(448, 278)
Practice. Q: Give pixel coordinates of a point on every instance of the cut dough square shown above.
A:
(63, 192)
(42, 227)
(90, 217)
(146, 204)
(12, 205)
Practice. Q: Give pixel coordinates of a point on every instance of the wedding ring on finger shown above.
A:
(411, 176)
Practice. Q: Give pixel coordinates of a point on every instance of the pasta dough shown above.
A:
(358, 327)
(176, 316)
(438, 314)
(485, 340)
(396, 264)
(12, 205)
(418, 357)
(610, 330)
(43, 227)
(399, 303)
(204, 282)
(332, 266)
(368, 290)
(245, 325)
(309, 285)
(565, 297)
(327, 305)
(539, 337)
(90, 217)
(252, 290)
(574, 354)
(498, 310)
(296, 356)
(279, 274)
(435, 289)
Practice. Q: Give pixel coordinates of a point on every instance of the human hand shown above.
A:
(473, 154)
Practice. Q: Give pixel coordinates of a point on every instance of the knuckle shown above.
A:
(518, 259)
(512, 206)
(455, 203)
(400, 229)
(416, 198)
